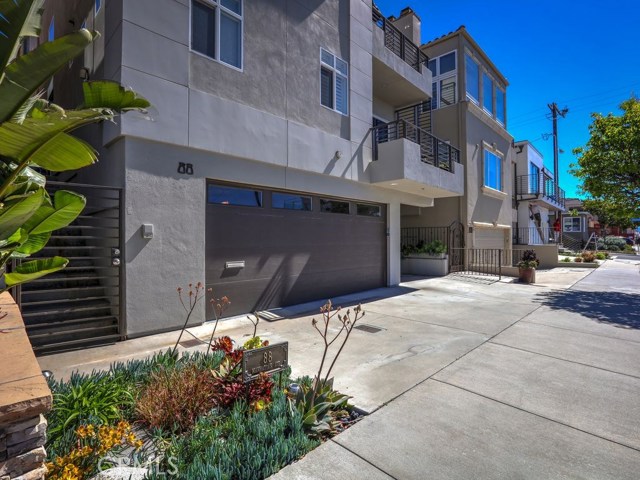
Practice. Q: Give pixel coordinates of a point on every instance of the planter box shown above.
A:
(425, 265)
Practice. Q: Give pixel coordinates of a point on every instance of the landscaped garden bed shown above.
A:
(195, 415)
(584, 259)
(425, 259)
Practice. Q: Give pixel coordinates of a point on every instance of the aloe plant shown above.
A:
(36, 133)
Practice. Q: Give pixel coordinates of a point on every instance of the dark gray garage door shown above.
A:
(267, 249)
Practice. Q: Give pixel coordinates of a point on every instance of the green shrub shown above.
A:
(97, 398)
(613, 248)
(436, 248)
(566, 260)
(240, 445)
(601, 256)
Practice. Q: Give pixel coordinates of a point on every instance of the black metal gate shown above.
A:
(79, 306)
(477, 261)
(452, 236)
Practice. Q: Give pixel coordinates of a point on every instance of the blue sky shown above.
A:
(584, 55)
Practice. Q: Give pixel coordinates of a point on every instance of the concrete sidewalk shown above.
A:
(552, 395)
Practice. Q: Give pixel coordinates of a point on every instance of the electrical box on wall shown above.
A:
(147, 230)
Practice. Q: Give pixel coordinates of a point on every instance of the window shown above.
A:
(290, 201)
(224, 195)
(572, 224)
(98, 5)
(334, 206)
(492, 170)
(368, 210)
(334, 84)
(500, 106)
(444, 91)
(216, 30)
(487, 94)
(534, 178)
(472, 79)
(52, 30)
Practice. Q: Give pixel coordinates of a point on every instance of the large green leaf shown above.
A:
(31, 245)
(107, 94)
(66, 207)
(13, 215)
(47, 133)
(32, 270)
(28, 181)
(14, 241)
(27, 73)
(64, 152)
(19, 18)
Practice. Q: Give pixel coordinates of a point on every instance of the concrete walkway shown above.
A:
(550, 391)
(468, 378)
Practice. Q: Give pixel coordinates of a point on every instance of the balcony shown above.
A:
(412, 160)
(542, 188)
(400, 75)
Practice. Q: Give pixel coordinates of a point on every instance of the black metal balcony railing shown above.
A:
(540, 186)
(433, 151)
(399, 44)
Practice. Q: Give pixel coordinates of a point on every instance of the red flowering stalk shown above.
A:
(194, 296)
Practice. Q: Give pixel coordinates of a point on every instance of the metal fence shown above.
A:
(423, 235)
(399, 43)
(478, 261)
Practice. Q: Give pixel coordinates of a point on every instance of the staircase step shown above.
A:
(27, 305)
(100, 307)
(76, 344)
(55, 323)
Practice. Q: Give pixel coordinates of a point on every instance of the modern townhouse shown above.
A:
(469, 111)
(539, 200)
(257, 170)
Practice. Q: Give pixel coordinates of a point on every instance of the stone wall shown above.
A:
(24, 398)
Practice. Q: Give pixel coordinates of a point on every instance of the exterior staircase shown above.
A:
(79, 306)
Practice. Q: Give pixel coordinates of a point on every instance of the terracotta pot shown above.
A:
(527, 275)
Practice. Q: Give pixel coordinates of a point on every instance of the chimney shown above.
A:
(408, 24)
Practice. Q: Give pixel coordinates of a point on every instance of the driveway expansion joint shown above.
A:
(333, 440)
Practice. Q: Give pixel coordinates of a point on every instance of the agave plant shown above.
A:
(36, 133)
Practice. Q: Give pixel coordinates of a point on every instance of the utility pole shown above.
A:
(555, 111)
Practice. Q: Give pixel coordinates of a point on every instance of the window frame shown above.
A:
(437, 79)
(487, 149)
(236, 187)
(486, 76)
(368, 205)
(470, 97)
(497, 88)
(292, 194)
(219, 8)
(97, 6)
(334, 74)
(571, 222)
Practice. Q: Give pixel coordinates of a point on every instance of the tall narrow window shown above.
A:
(534, 179)
(472, 79)
(444, 86)
(500, 106)
(492, 170)
(51, 36)
(487, 94)
(216, 30)
(98, 5)
(334, 82)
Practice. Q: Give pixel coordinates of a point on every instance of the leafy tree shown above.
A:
(36, 133)
(608, 214)
(609, 165)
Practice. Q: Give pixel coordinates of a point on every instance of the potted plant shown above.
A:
(527, 266)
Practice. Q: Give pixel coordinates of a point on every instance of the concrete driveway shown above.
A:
(550, 390)
(467, 378)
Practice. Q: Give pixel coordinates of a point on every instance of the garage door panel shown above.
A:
(282, 290)
(291, 256)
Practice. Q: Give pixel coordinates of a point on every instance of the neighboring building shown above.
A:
(469, 112)
(538, 198)
(256, 171)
